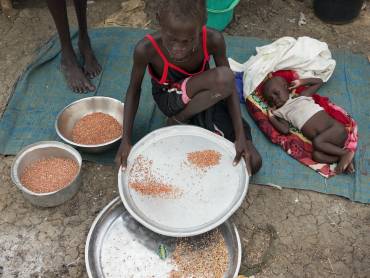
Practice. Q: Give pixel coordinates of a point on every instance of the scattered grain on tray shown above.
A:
(141, 168)
(48, 175)
(144, 181)
(201, 257)
(96, 128)
(152, 188)
(204, 159)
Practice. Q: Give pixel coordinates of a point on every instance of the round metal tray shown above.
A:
(118, 246)
(208, 198)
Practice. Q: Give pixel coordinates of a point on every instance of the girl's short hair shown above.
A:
(184, 9)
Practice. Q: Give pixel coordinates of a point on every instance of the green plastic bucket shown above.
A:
(220, 13)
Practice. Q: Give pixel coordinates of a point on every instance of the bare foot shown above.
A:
(350, 168)
(344, 162)
(74, 75)
(92, 67)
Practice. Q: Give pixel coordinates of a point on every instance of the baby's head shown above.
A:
(276, 92)
(181, 23)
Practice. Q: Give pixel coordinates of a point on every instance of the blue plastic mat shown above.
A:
(41, 93)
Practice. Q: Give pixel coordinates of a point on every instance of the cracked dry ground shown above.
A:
(287, 233)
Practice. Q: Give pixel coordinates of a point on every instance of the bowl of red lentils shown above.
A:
(47, 173)
(92, 124)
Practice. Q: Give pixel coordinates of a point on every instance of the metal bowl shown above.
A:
(68, 117)
(42, 150)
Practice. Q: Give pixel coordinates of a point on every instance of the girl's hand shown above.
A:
(122, 154)
(295, 84)
(242, 151)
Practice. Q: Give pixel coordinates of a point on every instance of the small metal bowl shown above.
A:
(68, 117)
(42, 150)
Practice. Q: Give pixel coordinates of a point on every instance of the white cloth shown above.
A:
(307, 56)
(298, 110)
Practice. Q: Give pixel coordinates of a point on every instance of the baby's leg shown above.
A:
(205, 90)
(74, 75)
(331, 142)
(92, 68)
(324, 158)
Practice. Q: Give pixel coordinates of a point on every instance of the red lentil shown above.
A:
(146, 183)
(204, 159)
(49, 175)
(151, 188)
(96, 128)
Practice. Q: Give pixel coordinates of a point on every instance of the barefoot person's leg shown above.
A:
(92, 67)
(73, 73)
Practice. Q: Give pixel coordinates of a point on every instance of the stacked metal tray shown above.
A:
(125, 237)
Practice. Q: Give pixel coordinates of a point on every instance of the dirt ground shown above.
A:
(285, 233)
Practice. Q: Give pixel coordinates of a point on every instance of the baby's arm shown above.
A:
(280, 124)
(313, 85)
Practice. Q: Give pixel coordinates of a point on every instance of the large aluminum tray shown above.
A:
(209, 198)
(118, 246)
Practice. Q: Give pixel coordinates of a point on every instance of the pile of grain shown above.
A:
(205, 256)
(48, 175)
(143, 180)
(204, 159)
(96, 128)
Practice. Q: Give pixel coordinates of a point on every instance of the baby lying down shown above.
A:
(328, 136)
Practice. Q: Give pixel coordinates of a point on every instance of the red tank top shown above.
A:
(168, 67)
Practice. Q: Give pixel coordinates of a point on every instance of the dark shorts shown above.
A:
(216, 119)
(169, 100)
